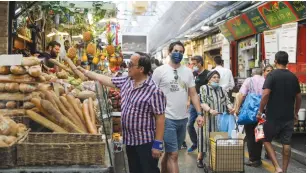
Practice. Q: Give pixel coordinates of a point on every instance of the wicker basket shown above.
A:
(8, 154)
(22, 119)
(60, 149)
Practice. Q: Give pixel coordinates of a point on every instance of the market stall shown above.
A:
(55, 117)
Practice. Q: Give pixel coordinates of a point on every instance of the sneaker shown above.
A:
(192, 148)
(184, 145)
(254, 163)
(200, 164)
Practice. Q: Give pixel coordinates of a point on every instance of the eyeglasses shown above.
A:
(130, 65)
(176, 75)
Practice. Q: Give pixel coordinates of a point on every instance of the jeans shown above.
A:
(191, 128)
(140, 159)
(174, 134)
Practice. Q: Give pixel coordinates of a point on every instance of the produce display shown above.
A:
(115, 98)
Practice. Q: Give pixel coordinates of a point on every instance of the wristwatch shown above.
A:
(259, 113)
(199, 113)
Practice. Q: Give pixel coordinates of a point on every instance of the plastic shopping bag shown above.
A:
(259, 133)
(249, 109)
(231, 125)
(222, 122)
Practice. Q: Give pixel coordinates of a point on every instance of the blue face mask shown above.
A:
(177, 57)
(214, 85)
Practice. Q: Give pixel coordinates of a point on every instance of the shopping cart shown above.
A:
(224, 154)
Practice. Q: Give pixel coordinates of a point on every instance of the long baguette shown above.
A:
(44, 122)
(72, 101)
(62, 66)
(37, 103)
(91, 110)
(50, 98)
(74, 69)
(90, 126)
(60, 118)
(70, 108)
(67, 114)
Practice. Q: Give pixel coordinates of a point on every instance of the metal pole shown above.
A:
(11, 14)
(97, 85)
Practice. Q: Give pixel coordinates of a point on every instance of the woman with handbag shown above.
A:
(252, 85)
(214, 101)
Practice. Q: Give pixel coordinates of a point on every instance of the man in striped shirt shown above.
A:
(143, 107)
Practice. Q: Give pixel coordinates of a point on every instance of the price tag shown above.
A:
(9, 60)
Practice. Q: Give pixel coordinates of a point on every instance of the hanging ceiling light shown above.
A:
(205, 28)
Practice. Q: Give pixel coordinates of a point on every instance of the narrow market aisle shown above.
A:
(187, 163)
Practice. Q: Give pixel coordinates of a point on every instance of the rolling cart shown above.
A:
(224, 154)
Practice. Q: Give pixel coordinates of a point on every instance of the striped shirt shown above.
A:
(139, 107)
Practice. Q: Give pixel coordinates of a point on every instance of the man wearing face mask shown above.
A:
(52, 51)
(200, 74)
(177, 83)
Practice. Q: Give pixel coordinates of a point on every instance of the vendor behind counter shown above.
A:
(52, 51)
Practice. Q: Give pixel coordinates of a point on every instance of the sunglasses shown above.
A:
(176, 75)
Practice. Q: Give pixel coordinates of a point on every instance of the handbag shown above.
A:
(250, 107)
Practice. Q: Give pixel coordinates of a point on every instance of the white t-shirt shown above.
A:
(176, 91)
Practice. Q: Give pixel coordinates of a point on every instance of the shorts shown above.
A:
(282, 129)
(174, 134)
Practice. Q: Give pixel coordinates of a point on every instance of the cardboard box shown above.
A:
(227, 155)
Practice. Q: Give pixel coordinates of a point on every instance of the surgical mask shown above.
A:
(195, 69)
(214, 85)
(176, 57)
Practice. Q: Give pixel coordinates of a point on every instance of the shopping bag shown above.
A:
(222, 122)
(232, 125)
(259, 133)
(249, 109)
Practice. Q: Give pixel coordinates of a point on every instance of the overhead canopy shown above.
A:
(165, 20)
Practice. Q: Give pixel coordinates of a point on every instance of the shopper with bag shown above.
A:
(252, 85)
(282, 98)
(214, 101)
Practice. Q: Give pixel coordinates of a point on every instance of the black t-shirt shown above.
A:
(46, 57)
(200, 80)
(284, 86)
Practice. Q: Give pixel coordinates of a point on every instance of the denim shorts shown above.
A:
(174, 134)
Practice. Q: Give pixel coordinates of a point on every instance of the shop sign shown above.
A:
(240, 26)
(277, 13)
(299, 7)
(257, 20)
(247, 44)
(213, 42)
(227, 34)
